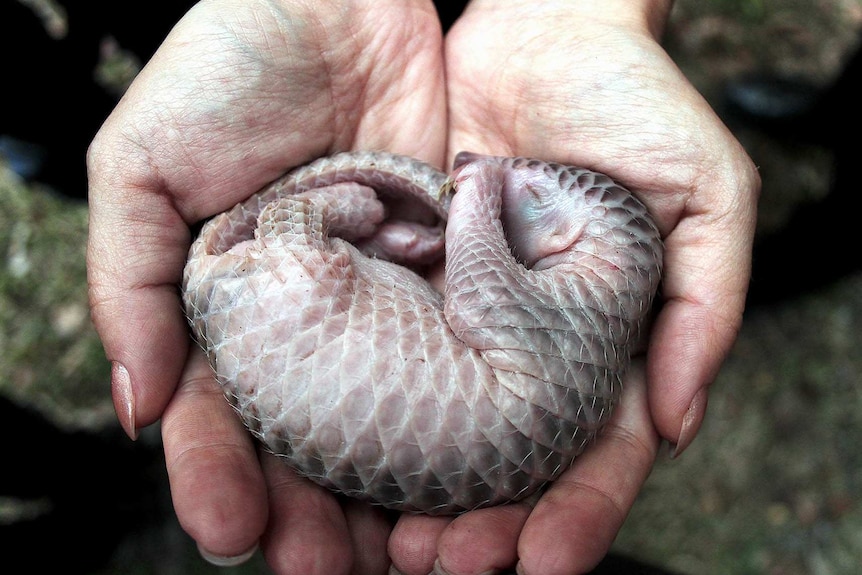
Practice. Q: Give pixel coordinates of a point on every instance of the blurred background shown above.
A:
(772, 483)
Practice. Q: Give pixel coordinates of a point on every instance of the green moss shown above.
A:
(50, 355)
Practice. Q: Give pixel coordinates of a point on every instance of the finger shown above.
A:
(482, 541)
(576, 520)
(136, 250)
(216, 482)
(162, 160)
(308, 533)
(413, 543)
(369, 529)
(707, 269)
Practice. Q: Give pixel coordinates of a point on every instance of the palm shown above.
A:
(541, 81)
(606, 106)
(237, 94)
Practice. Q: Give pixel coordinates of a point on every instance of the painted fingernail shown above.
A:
(227, 561)
(124, 398)
(690, 423)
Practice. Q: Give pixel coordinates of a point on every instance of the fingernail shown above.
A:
(124, 398)
(227, 561)
(438, 570)
(690, 423)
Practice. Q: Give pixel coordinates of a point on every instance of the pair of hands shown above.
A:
(240, 91)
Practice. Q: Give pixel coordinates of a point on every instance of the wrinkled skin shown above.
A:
(240, 91)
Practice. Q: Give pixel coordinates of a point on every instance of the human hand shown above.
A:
(588, 84)
(149, 165)
(237, 93)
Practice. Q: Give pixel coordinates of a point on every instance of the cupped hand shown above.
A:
(588, 84)
(241, 91)
(238, 93)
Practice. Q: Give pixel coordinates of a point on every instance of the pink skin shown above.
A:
(540, 220)
(375, 233)
(407, 243)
